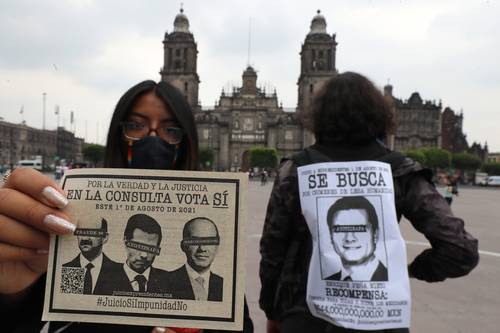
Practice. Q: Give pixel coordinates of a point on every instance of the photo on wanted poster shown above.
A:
(156, 248)
(351, 238)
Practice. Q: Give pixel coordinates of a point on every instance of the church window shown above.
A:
(177, 52)
(186, 58)
(288, 135)
(311, 88)
(206, 133)
(178, 64)
(185, 87)
(248, 124)
(320, 54)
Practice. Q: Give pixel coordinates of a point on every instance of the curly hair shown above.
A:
(349, 109)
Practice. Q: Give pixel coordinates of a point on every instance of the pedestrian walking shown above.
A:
(263, 177)
(448, 191)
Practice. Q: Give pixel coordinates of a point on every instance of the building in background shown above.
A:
(480, 151)
(494, 157)
(180, 54)
(69, 147)
(244, 118)
(248, 115)
(317, 65)
(22, 142)
(453, 139)
(418, 122)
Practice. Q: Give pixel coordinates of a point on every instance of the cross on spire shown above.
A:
(249, 40)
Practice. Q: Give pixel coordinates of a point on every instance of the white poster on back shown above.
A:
(358, 275)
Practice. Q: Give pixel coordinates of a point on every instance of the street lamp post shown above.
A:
(57, 112)
(11, 148)
(44, 100)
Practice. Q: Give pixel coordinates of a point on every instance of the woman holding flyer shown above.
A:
(152, 128)
(350, 119)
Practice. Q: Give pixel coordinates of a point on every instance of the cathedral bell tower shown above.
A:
(317, 59)
(180, 57)
(249, 81)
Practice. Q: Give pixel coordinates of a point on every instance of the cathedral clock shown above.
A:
(248, 124)
(248, 84)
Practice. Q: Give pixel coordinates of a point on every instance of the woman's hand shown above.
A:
(29, 212)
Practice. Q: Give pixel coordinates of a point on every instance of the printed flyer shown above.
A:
(155, 248)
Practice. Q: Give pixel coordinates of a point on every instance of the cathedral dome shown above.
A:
(181, 22)
(318, 24)
(250, 71)
(415, 99)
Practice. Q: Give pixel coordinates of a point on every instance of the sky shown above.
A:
(84, 54)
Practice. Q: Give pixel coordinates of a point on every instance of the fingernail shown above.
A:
(42, 251)
(54, 197)
(59, 224)
(159, 330)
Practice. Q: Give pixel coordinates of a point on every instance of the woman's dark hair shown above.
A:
(116, 146)
(349, 109)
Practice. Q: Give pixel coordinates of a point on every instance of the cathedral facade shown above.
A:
(418, 122)
(453, 138)
(248, 116)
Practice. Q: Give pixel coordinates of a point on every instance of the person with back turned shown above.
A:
(350, 120)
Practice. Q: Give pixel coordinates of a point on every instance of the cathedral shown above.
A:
(248, 116)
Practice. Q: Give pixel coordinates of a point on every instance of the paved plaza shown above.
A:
(468, 304)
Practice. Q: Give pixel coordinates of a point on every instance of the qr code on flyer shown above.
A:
(72, 279)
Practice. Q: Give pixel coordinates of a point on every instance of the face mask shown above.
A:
(152, 152)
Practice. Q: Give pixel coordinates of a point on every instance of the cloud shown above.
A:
(445, 50)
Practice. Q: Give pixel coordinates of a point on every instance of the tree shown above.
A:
(94, 153)
(206, 158)
(417, 155)
(492, 168)
(437, 158)
(464, 161)
(263, 157)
